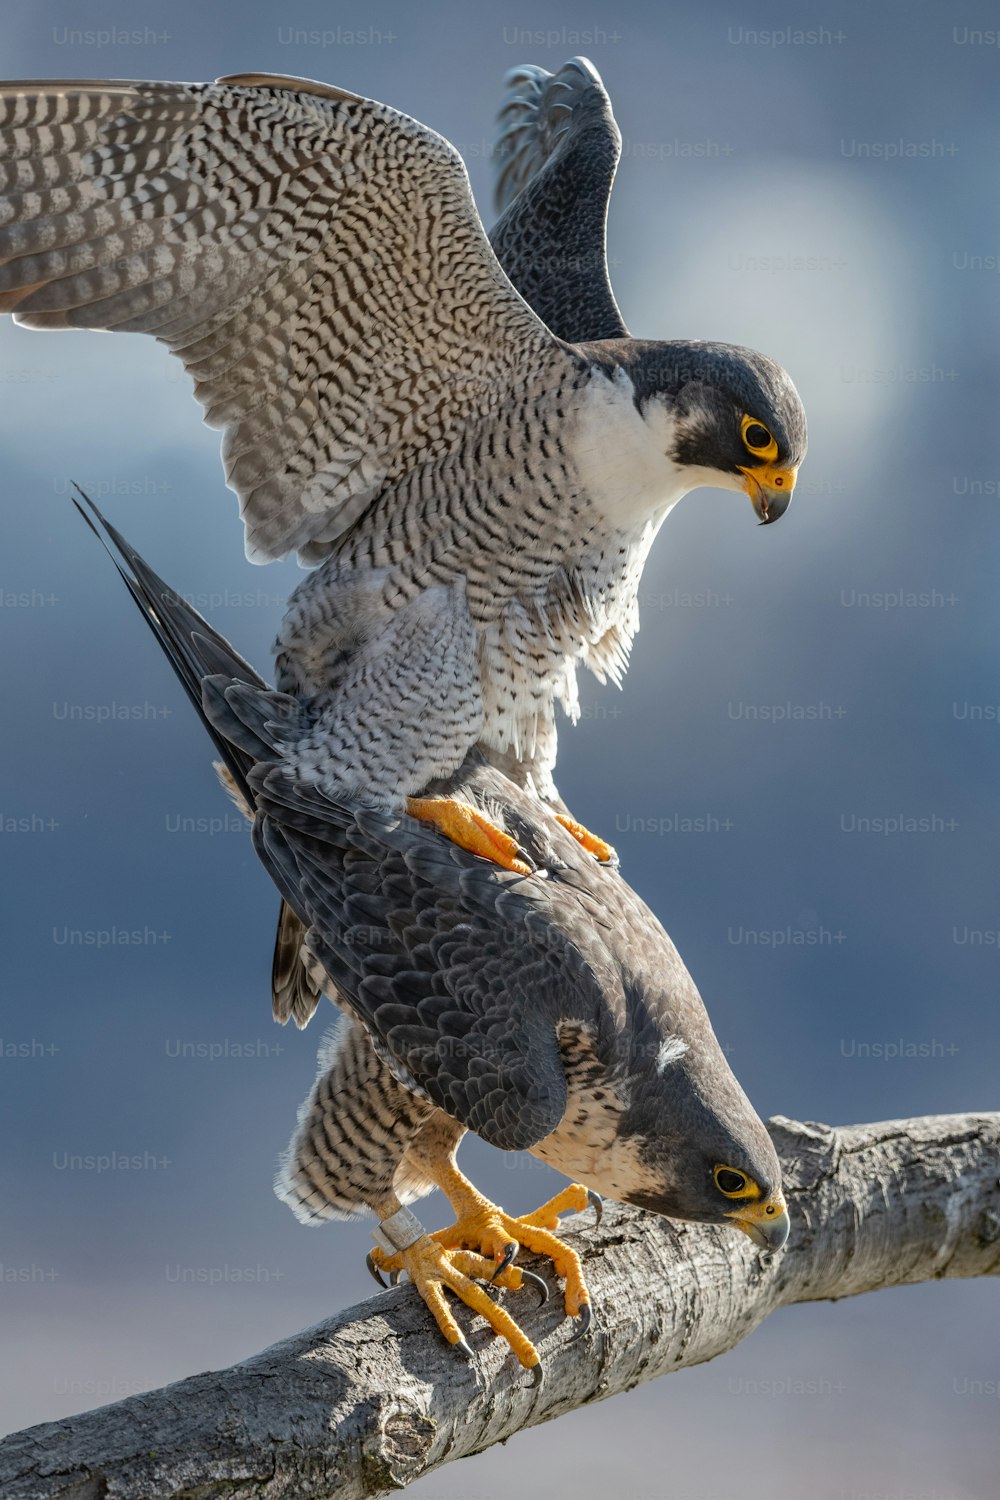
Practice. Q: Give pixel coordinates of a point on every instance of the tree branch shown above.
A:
(373, 1398)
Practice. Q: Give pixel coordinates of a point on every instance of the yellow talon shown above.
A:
(480, 1246)
(604, 853)
(572, 1199)
(484, 1227)
(431, 1267)
(469, 829)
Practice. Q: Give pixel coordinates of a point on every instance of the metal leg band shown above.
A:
(398, 1232)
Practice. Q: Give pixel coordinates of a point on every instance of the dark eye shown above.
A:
(757, 436)
(729, 1182)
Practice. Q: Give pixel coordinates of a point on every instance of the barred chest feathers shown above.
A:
(540, 607)
(589, 610)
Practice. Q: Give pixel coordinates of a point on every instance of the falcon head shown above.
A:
(737, 419)
(747, 1198)
(719, 415)
(696, 1147)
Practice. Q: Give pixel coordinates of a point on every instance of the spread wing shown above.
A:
(557, 155)
(314, 258)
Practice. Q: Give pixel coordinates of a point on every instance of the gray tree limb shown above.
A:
(372, 1398)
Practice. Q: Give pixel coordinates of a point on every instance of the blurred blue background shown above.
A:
(820, 182)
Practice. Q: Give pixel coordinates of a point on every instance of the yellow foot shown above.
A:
(432, 1267)
(470, 830)
(601, 851)
(499, 1236)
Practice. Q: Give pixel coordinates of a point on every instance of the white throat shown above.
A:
(622, 457)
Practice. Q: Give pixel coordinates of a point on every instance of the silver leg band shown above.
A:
(398, 1232)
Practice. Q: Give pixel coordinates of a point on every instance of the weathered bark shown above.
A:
(372, 1398)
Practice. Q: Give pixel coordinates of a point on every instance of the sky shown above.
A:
(799, 776)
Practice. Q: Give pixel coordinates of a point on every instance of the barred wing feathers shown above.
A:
(315, 259)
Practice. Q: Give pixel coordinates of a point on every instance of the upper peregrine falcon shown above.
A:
(480, 479)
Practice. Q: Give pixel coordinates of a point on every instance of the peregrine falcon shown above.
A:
(552, 1015)
(479, 477)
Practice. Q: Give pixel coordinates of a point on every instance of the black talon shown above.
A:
(586, 1317)
(537, 1376)
(505, 1260)
(530, 1276)
(394, 1277)
(463, 1345)
(596, 1202)
(373, 1268)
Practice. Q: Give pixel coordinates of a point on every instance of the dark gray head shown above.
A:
(708, 1159)
(724, 415)
(697, 1147)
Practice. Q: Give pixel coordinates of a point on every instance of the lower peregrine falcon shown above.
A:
(549, 1015)
(478, 461)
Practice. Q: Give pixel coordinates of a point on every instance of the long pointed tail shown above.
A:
(192, 647)
(198, 653)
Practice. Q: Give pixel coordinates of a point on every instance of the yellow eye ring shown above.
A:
(757, 440)
(734, 1184)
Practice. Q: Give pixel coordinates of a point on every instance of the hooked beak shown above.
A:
(765, 1223)
(770, 490)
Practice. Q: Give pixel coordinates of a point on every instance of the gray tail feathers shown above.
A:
(254, 719)
(246, 721)
(191, 646)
